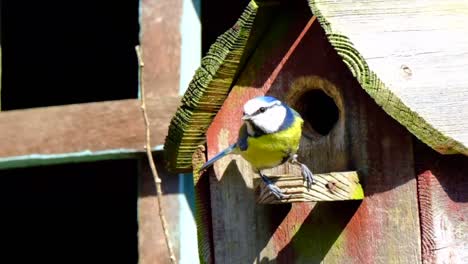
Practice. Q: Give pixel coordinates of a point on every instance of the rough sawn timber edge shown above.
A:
(332, 186)
(383, 96)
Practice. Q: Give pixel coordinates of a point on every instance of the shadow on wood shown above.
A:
(317, 233)
(152, 245)
(450, 171)
(313, 228)
(442, 185)
(254, 224)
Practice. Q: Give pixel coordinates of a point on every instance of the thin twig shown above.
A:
(157, 180)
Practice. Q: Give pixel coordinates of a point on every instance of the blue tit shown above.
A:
(269, 137)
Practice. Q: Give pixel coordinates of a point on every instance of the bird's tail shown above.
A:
(218, 156)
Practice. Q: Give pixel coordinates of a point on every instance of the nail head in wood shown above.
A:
(406, 71)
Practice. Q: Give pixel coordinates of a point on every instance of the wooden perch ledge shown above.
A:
(332, 186)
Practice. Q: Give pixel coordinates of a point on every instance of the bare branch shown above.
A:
(157, 180)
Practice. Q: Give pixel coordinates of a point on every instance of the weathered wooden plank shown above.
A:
(332, 186)
(382, 149)
(151, 242)
(161, 42)
(80, 132)
(411, 57)
(443, 200)
(292, 58)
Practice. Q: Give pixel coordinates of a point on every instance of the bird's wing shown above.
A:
(241, 144)
(242, 138)
(219, 156)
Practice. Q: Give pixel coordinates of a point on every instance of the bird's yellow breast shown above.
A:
(270, 150)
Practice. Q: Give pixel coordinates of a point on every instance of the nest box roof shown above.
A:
(410, 56)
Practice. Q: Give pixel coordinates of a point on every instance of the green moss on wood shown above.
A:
(383, 96)
(212, 82)
(358, 193)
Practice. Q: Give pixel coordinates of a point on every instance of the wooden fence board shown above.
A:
(161, 42)
(80, 132)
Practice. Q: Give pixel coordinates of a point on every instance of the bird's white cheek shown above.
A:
(268, 122)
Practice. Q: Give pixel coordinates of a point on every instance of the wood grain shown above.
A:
(410, 56)
(295, 57)
(151, 243)
(161, 42)
(332, 186)
(241, 227)
(90, 128)
(443, 200)
(160, 23)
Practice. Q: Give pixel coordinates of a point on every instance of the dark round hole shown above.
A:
(319, 111)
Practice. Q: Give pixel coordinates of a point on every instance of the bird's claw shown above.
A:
(306, 173)
(308, 176)
(276, 191)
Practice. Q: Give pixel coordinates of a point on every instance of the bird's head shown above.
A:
(264, 113)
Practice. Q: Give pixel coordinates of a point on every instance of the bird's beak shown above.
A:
(246, 117)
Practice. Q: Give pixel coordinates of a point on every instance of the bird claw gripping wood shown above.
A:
(306, 173)
(275, 190)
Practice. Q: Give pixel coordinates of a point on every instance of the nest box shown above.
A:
(383, 93)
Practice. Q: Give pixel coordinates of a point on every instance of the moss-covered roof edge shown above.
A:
(383, 96)
(212, 82)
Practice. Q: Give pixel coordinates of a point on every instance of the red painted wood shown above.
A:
(443, 199)
(241, 229)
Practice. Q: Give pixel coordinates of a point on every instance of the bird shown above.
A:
(269, 136)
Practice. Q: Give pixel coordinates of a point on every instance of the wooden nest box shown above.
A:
(384, 96)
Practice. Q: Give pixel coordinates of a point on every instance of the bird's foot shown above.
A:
(306, 173)
(308, 176)
(275, 190)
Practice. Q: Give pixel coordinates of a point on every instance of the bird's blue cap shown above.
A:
(267, 99)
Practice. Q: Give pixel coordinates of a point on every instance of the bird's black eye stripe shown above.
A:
(261, 110)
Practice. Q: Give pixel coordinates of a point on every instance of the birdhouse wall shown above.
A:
(293, 61)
